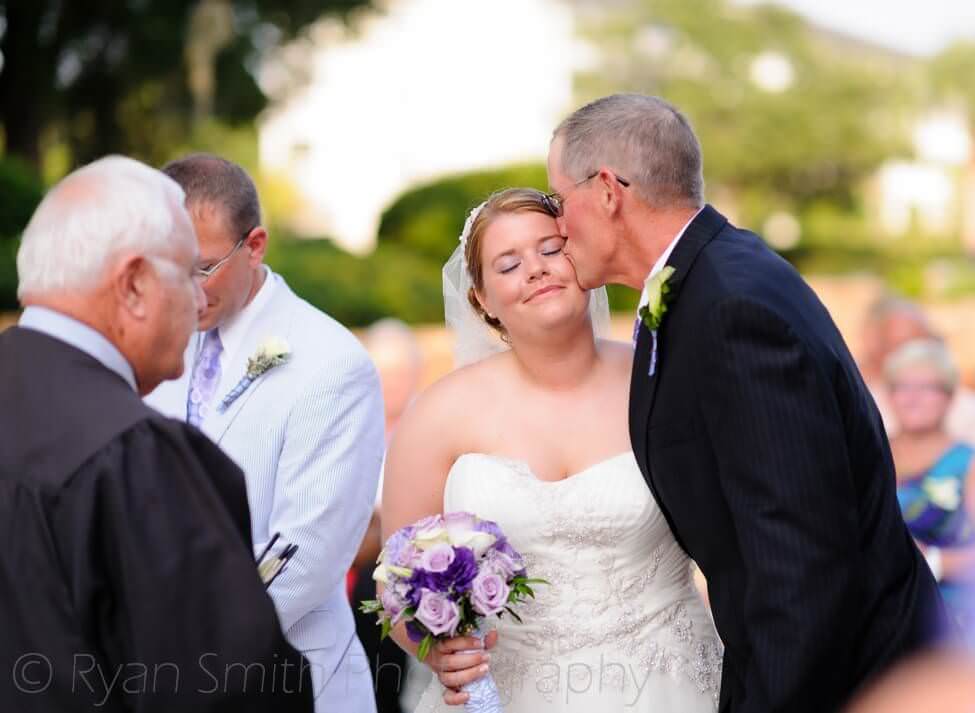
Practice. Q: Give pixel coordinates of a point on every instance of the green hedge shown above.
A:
(427, 220)
(357, 290)
(20, 191)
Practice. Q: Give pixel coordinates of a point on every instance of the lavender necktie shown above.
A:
(206, 376)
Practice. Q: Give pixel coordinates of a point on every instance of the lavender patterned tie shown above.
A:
(206, 376)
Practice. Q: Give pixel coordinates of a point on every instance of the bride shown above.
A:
(535, 437)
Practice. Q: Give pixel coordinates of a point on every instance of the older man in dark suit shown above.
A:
(127, 580)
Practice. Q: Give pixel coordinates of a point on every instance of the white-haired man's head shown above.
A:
(112, 206)
(113, 246)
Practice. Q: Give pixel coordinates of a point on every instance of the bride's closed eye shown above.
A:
(549, 248)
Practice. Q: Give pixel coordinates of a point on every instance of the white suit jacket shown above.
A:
(308, 435)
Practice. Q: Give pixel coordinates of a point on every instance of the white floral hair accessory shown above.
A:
(465, 234)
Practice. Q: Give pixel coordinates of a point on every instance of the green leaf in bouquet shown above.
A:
(421, 653)
(512, 612)
(387, 625)
(370, 606)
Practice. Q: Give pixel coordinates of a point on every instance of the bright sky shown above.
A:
(908, 25)
(432, 87)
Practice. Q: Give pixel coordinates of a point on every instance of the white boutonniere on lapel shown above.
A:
(272, 352)
(652, 313)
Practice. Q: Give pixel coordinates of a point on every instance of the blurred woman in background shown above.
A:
(935, 481)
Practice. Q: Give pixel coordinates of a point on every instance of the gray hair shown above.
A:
(101, 210)
(923, 352)
(215, 181)
(646, 139)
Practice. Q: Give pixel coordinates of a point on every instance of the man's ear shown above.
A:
(132, 279)
(256, 244)
(610, 191)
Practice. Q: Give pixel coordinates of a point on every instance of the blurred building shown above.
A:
(423, 89)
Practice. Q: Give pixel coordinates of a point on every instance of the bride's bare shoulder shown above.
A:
(446, 403)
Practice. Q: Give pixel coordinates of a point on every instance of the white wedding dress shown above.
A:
(621, 627)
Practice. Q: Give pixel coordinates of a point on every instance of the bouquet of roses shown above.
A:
(442, 576)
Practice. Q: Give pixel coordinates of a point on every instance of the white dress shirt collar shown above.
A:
(662, 260)
(233, 332)
(80, 336)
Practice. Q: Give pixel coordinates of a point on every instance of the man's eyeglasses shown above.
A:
(204, 273)
(555, 201)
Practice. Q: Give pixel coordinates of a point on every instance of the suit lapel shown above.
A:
(267, 324)
(641, 396)
(643, 387)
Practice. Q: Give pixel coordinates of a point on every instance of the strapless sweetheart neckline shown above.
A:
(525, 467)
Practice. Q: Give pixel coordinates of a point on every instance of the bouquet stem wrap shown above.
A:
(484, 696)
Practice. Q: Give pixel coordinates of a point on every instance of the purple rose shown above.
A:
(461, 572)
(399, 547)
(438, 558)
(505, 548)
(393, 605)
(502, 563)
(438, 613)
(489, 527)
(414, 631)
(420, 580)
(489, 593)
(456, 578)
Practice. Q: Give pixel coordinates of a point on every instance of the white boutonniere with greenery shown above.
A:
(652, 313)
(656, 287)
(272, 352)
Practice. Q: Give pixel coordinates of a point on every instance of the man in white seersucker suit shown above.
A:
(306, 426)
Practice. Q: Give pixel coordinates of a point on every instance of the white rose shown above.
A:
(480, 542)
(274, 347)
(425, 539)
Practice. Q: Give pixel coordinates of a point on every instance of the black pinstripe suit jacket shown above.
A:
(767, 455)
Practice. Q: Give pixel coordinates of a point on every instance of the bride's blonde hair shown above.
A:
(509, 200)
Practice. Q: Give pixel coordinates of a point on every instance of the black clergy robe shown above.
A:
(127, 579)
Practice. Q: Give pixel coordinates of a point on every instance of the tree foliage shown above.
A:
(837, 112)
(107, 76)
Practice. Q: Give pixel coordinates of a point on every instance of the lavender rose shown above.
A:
(399, 550)
(438, 558)
(393, 604)
(489, 593)
(438, 613)
(490, 527)
(503, 563)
